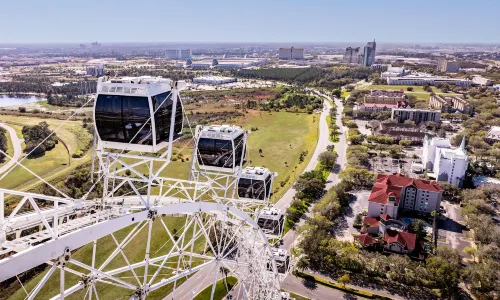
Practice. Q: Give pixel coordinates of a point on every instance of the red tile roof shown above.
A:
(371, 222)
(387, 185)
(365, 239)
(408, 240)
(385, 217)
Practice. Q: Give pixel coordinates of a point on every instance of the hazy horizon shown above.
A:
(259, 22)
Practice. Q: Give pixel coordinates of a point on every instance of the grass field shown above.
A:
(53, 161)
(220, 289)
(282, 136)
(134, 252)
(418, 91)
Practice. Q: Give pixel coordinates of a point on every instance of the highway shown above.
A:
(16, 143)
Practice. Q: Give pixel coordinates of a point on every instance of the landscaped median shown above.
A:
(339, 286)
(221, 289)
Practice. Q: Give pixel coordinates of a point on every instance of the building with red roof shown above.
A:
(393, 193)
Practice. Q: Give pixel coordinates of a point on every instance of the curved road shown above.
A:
(204, 277)
(16, 143)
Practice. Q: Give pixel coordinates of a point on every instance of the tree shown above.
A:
(411, 122)
(357, 177)
(260, 152)
(38, 139)
(310, 185)
(344, 279)
(327, 159)
(404, 143)
(472, 251)
(418, 227)
(303, 263)
(3, 143)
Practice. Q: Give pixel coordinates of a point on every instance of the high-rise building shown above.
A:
(351, 55)
(178, 54)
(369, 53)
(448, 66)
(291, 53)
(445, 163)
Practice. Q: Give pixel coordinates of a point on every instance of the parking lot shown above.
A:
(345, 230)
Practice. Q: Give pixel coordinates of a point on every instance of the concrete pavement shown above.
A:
(16, 144)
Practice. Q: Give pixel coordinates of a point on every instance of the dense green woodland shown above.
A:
(3, 143)
(331, 77)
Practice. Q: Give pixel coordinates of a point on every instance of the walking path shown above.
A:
(16, 144)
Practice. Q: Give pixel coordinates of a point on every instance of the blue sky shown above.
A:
(70, 21)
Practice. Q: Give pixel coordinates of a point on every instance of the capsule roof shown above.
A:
(271, 214)
(135, 86)
(255, 173)
(225, 132)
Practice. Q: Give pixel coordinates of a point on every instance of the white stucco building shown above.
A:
(445, 162)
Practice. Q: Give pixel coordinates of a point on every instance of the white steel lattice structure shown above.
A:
(180, 228)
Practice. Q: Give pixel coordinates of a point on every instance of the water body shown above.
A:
(8, 100)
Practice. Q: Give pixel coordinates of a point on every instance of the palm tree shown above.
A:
(224, 272)
(303, 263)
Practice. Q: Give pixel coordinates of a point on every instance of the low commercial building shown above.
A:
(385, 97)
(445, 162)
(450, 104)
(394, 72)
(480, 80)
(394, 193)
(448, 66)
(214, 79)
(402, 131)
(291, 53)
(423, 79)
(493, 135)
(416, 115)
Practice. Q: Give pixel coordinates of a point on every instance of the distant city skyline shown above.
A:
(278, 21)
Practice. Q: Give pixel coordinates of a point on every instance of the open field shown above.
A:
(220, 289)
(55, 160)
(418, 91)
(282, 136)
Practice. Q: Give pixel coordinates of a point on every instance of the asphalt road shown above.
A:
(341, 146)
(16, 142)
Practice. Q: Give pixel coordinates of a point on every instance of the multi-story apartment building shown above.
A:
(449, 104)
(291, 53)
(385, 97)
(445, 162)
(394, 193)
(448, 66)
(416, 115)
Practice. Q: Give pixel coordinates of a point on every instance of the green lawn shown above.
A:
(282, 137)
(134, 252)
(55, 160)
(220, 289)
(418, 91)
